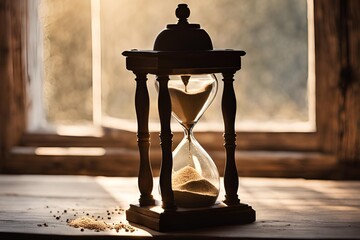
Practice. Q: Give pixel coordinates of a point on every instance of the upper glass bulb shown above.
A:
(190, 96)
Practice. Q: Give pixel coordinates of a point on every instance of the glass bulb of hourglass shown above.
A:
(195, 178)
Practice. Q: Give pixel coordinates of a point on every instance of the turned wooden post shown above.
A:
(145, 179)
(164, 108)
(228, 106)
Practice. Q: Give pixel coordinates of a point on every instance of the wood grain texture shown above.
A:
(327, 62)
(338, 80)
(5, 72)
(13, 75)
(125, 162)
(121, 138)
(154, 217)
(286, 208)
(349, 109)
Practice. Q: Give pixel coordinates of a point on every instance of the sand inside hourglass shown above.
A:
(191, 189)
(186, 104)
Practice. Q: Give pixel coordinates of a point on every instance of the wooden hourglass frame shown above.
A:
(183, 49)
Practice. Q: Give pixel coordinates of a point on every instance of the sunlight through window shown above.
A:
(85, 80)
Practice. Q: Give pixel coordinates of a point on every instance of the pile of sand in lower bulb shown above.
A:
(192, 190)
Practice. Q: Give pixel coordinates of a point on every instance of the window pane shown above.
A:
(67, 76)
(272, 85)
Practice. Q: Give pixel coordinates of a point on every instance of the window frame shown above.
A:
(277, 154)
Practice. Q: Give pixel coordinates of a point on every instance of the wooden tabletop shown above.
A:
(285, 208)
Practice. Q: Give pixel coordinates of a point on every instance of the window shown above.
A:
(262, 152)
(82, 57)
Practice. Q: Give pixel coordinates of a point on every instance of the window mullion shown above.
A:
(96, 61)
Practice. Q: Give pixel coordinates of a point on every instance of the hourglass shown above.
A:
(195, 178)
(184, 63)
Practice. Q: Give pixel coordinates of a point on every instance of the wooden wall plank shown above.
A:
(349, 109)
(327, 45)
(337, 32)
(125, 162)
(13, 75)
(5, 73)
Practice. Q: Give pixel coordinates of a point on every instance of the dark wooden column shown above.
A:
(164, 107)
(145, 179)
(228, 106)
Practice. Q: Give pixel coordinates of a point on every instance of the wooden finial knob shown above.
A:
(182, 13)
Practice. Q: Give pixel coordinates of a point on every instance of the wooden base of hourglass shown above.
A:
(156, 218)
